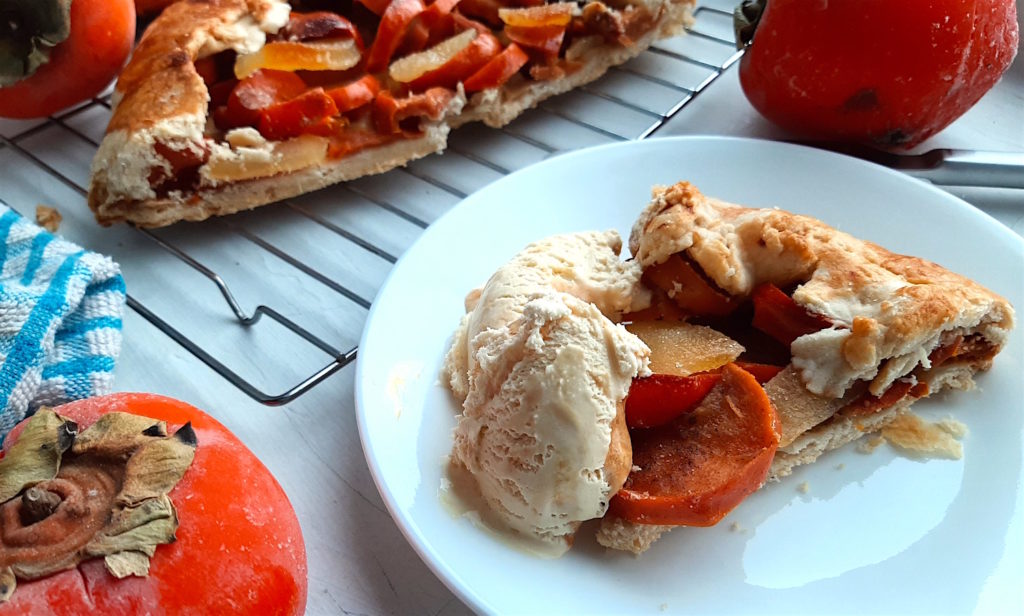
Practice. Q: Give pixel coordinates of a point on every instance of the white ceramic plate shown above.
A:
(872, 533)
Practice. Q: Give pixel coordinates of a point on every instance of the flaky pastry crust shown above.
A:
(890, 310)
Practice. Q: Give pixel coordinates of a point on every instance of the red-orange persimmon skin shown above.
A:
(239, 548)
(102, 35)
(876, 71)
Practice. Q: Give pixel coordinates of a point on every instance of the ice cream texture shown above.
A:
(543, 370)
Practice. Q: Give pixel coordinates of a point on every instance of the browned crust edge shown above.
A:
(240, 196)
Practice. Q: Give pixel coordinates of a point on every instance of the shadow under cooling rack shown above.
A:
(312, 265)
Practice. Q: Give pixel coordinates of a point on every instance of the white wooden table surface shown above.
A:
(320, 259)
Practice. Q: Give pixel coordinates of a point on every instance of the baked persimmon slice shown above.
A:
(779, 316)
(695, 469)
(689, 288)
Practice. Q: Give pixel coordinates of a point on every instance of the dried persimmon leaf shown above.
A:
(157, 466)
(115, 434)
(36, 455)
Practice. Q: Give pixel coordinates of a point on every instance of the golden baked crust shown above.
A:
(161, 81)
(161, 98)
(240, 196)
(890, 310)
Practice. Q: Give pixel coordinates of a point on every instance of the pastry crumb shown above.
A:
(663, 607)
(871, 444)
(954, 428)
(804, 488)
(736, 527)
(840, 466)
(931, 439)
(48, 218)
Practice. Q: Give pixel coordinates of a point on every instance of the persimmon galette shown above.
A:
(230, 104)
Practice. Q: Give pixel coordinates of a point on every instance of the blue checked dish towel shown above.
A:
(60, 320)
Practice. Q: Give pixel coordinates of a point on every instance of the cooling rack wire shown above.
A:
(312, 265)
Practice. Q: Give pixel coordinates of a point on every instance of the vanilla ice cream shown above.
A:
(543, 371)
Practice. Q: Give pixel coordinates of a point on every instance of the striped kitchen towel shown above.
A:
(60, 319)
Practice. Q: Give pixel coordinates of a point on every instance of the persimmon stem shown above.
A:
(37, 504)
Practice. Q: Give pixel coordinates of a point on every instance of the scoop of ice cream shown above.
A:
(543, 373)
(584, 265)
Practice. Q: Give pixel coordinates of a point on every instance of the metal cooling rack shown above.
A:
(386, 214)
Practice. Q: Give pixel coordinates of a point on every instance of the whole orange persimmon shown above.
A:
(884, 72)
(56, 53)
(237, 549)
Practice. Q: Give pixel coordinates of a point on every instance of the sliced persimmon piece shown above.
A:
(544, 39)
(688, 288)
(869, 404)
(294, 117)
(486, 10)
(352, 139)
(257, 92)
(329, 55)
(319, 25)
(377, 7)
(389, 113)
(761, 372)
(661, 309)
(557, 14)
(447, 72)
(414, 66)
(498, 70)
(431, 25)
(355, 94)
(777, 315)
(658, 399)
(207, 69)
(697, 468)
(683, 348)
(286, 156)
(799, 410)
(393, 23)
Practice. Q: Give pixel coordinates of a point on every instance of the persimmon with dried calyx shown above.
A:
(875, 71)
(192, 529)
(56, 53)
